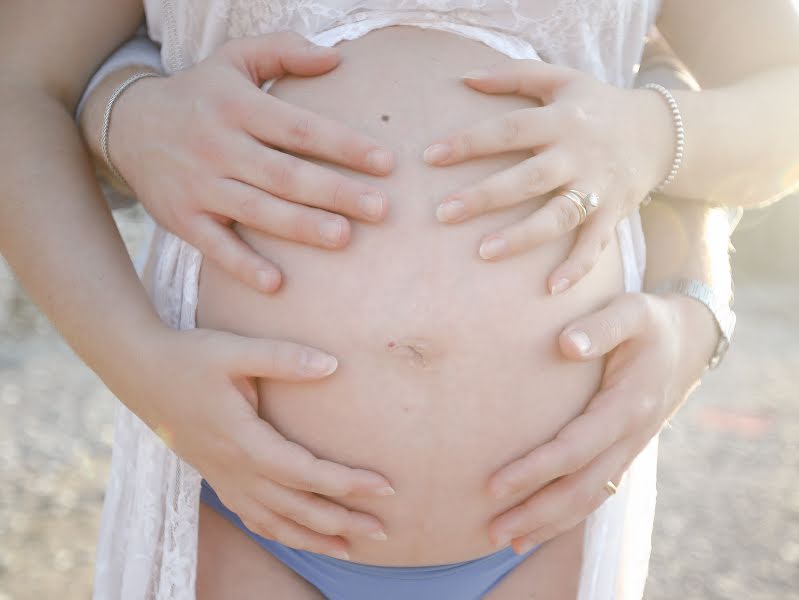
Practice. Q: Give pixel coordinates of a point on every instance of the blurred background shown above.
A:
(727, 523)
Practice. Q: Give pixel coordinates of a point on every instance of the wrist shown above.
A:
(124, 115)
(656, 130)
(716, 306)
(698, 330)
(136, 358)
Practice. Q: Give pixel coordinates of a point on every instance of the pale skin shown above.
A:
(46, 128)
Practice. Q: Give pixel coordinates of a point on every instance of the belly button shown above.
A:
(417, 352)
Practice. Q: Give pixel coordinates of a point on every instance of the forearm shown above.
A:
(741, 132)
(58, 235)
(740, 140)
(684, 239)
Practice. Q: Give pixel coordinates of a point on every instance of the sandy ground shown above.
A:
(728, 515)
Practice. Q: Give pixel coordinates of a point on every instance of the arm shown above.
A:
(656, 348)
(226, 152)
(138, 54)
(58, 236)
(743, 128)
(66, 253)
(740, 133)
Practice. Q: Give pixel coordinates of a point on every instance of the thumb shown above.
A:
(600, 332)
(277, 54)
(273, 359)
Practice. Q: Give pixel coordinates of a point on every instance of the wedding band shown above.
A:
(611, 488)
(586, 203)
(590, 201)
(578, 202)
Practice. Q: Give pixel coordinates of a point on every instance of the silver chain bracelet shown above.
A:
(107, 119)
(679, 133)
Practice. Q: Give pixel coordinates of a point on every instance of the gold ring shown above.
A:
(590, 200)
(575, 197)
(611, 488)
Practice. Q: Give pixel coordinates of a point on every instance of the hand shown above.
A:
(587, 135)
(207, 415)
(658, 348)
(207, 147)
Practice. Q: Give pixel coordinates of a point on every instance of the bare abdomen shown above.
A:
(448, 365)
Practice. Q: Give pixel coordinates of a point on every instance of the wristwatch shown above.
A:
(721, 310)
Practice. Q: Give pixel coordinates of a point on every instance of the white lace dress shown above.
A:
(148, 541)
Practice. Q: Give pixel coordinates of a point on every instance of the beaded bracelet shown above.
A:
(679, 134)
(107, 119)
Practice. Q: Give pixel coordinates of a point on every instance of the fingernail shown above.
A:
(266, 279)
(385, 491)
(502, 540)
(318, 363)
(378, 536)
(331, 231)
(340, 554)
(379, 160)
(493, 248)
(580, 340)
(561, 285)
(450, 211)
(525, 547)
(315, 49)
(476, 74)
(371, 204)
(437, 153)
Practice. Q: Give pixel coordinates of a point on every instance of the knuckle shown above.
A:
(535, 179)
(301, 229)
(482, 199)
(579, 498)
(509, 129)
(247, 207)
(574, 114)
(609, 330)
(466, 145)
(280, 176)
(567, 216)
(569, 460)
(228, 107)
(301, 134)
(263, 525)
(296, 513)
(337, 198)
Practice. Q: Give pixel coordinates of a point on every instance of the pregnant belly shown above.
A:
(448, 365)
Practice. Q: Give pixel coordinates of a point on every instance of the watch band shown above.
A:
(721, 310)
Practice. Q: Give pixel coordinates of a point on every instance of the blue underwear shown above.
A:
(344, 580)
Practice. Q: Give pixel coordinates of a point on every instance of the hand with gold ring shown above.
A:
(656, 348)
(597, 148)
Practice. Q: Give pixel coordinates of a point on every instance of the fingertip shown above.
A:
(380, 161)
(268, 280)
(373, 205)
(317, 364)
(575, 343)
(523, 545)
(475, 76)
(558, 285)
